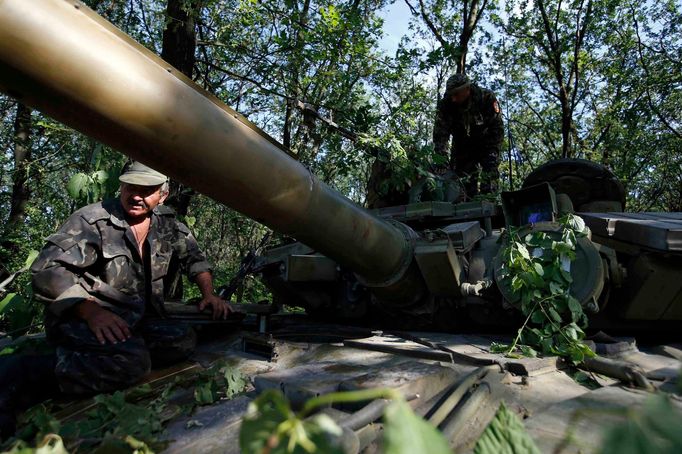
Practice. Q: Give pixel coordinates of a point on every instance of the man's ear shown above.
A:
(164, 196)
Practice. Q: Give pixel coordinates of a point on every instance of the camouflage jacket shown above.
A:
(94, 255)
(475, 127)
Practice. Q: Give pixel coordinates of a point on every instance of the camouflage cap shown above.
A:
(134, 172)
(456, 83)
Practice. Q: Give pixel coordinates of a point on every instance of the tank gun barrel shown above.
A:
(63, 59)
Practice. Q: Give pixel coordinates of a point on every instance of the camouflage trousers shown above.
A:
(84, 366)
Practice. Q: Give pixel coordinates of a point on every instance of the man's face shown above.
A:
(461, 96)
(139, 201)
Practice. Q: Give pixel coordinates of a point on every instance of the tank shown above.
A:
(428, 265)
(623, 274)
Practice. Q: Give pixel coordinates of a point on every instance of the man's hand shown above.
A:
(106, 325)
(221, 309)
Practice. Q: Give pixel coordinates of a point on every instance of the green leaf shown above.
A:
(528, 351)
(190, 221)
(270, 426)
(236, 382)
(546, 344)
(94, 193)
(555, 288)
(574, 305)
(585, 380)
(505, 434)
(576, 355)
(532, 336)
(544, 276)
(571, 332)
(538, 317)
(566, 275)
(112, 445)
(10, 301)
(523, 251)
(77, 185)
(32, 255)
(516, 283)
(555, 316)
(139, 447)
(406, 433)
(575, 223)
(96, 157)
(206, 393)
(496, 347)
(532, 280)
(36, 423)
(100, 177)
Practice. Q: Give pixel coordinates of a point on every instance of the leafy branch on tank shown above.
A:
(536, 267)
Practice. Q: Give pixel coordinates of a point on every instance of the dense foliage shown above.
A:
(595, 79)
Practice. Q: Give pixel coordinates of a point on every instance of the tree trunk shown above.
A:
(286, 129)
(470, 17)
(178, 49)
(294, 67)
(179, 36)
(22, 158)
(10, 246)
(179, 44)
(566, 125)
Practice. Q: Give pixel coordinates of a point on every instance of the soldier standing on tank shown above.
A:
(472, 116)
(102, 277)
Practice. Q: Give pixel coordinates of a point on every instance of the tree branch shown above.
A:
(429, 23)
(645, 68)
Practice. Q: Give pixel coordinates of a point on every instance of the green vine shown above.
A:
(536, 267)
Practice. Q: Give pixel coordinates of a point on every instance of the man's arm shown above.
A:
(57, 279)
(198, 269)
(55, 273)
(491, 143)
(494, 134)
(221, 309)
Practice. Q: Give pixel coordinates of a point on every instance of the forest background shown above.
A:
(593, 79)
